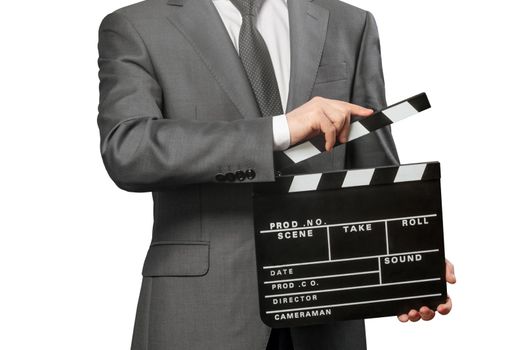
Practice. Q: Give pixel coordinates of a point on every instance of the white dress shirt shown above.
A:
(272, 23)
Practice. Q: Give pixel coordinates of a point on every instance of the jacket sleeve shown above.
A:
(143, 150)
(368, 90)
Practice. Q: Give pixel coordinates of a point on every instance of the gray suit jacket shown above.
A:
(176, 109)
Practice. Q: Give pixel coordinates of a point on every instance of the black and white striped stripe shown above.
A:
(352, 178)
(380, 119)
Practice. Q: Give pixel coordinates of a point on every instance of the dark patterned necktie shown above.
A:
(257, 61)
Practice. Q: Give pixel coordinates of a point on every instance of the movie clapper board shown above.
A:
(349, 244)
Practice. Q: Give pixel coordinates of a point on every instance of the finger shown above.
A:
(426, 313)
(328, 130)
(345, 131)
(336, 114)
(340, 117)
(445, 308)
(414, 316)
(450, 275)
(403, 318)
(359, 110)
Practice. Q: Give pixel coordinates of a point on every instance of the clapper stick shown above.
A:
(352, 178)
(295, 155)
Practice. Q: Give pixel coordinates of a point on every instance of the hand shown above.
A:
(425, 313)
(323, 115)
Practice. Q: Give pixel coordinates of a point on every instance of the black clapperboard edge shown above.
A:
(333, 179)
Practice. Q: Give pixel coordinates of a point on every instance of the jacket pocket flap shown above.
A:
(331, 72)
(177, 258)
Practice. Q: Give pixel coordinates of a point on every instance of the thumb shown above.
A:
(450, 275)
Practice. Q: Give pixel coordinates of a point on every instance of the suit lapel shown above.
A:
(200, 23)
(308, 25)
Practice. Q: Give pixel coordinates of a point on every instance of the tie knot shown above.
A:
(246, 7)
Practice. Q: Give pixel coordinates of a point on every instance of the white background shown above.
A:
(72, 244)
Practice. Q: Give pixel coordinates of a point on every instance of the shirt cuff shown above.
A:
(281, 133)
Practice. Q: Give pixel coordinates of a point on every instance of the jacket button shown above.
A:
(220, 177)
(250, 174)
(240, 175)
(230, 177)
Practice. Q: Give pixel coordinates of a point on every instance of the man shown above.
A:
(195, 98)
